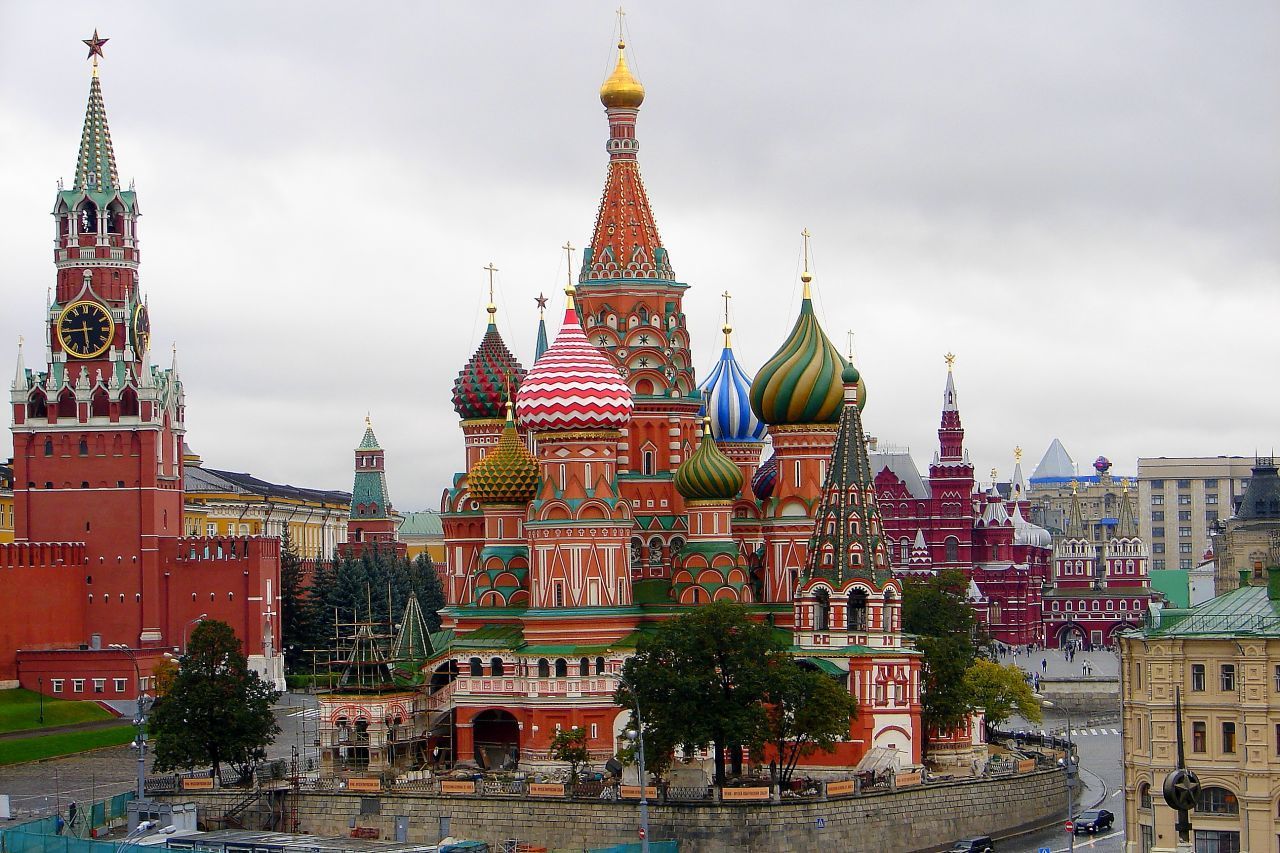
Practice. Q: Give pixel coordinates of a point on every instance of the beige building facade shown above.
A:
(1180, 499)
(1249, 541)
(1223, 658)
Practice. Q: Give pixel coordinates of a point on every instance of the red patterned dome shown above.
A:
(573, 386)
(481, 389)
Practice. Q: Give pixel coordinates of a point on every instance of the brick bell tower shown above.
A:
(97, 431)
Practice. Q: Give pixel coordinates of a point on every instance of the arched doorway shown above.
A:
(1071, 632)
(444, 675)
(496, 735)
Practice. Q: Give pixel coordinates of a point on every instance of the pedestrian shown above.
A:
(1044, 665)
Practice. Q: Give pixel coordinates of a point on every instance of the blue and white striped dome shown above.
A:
(727, 400)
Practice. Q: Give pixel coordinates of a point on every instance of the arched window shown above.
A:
(857, 616)
(637, 552)
(905, 549)
(584, 667)
(952, 549)
(495, 668)
(38, 406)
(89, 211)
(48, 447)
(655, 551)
(1144, 796)
(477, 667)
(84, 447)
(100, 405)
(1216, 800)
(647, 467)
(562, 668)
(994, 613)
(544, 668)
(129, 403)
(822, 611)
(67, 404)
(599, 666)
(890, 618)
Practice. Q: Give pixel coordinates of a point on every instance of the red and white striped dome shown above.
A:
(573, 386)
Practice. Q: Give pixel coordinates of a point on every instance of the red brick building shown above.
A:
(99, 558)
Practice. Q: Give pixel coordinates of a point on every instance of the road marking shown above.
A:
(1117, 793)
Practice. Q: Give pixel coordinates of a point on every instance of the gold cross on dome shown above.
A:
(726, 297)
(491, 269)
(568, 262)
(950, 359)
(1017, 454)
(993, 475)
(806, 235)
(850, 334)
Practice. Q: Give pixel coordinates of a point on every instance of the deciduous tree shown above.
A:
(1001, 691)
(806, 712)
(934, 609)
(570, 746)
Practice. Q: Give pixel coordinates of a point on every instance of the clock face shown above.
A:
(85, 329)
(141, 330)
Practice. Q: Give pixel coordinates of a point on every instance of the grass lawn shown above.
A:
(47, 746)
(19, 709)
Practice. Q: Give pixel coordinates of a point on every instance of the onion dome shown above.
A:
(508, 473)
(727, 396)
(622, 89)
(573, 386)
(483, 385)
(801, 384)
(708, 475)
(766, 478)
(1027, 533)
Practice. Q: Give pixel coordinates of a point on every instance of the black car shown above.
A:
(981, 844)
(1094, 820)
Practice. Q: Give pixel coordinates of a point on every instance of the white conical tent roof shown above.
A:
(1056, 464)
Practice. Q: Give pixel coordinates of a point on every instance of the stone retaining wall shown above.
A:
(914, 819)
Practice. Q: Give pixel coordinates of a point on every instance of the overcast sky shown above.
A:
(1082, 201)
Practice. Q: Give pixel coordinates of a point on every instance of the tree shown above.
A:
(700, 679)
(806, 711)
(298, 615)
(570, 746)
(426, 583)
(163, 674)
(1002, 691)
(935, 611)
(218, 711)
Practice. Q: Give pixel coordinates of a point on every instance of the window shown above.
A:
(1277, 678)
(1157, 500)
(558, 588)
(1184, 515)
(1217, 800)
(595, 730)
(857, 615)
(1217, 841)
(562, 668)
(1197, 737)
(1184, 547)
(1184, 500)
(1157, 548)
(1144, 796)
(1210, 515)
(1210, 484)
(544, 668)
(1157, 532)
(952, 549)
(495, 668)
(1157, 515)
(1184, 484)
(477, 667)
(56, 685)
(1228, 677)
(1277, 738)
(77, 685)
(1158, 564)
(584, 669)
(1185, 564)
(1197, 676)
(119, 685)
(599, 666)
(822, 611)
(1184, 531)
(1229, 738)
(1211, 500)
(211, 529)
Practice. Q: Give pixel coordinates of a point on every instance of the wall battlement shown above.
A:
(50, 555)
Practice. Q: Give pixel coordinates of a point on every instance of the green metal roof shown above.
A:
(424, 523)
(1175, 584)
(1245, 611)
(829, 667)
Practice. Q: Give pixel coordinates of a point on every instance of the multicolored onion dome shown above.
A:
(708, 475)
(507, 474)
(801, 383)
(622, 89)
(766, 478)
(573, 386)
(727, 396)
(485, 382)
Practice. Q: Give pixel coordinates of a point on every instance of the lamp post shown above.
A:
(140, 719)
(187, 627)
(636, 736)
(40, 694)
(1071, 765)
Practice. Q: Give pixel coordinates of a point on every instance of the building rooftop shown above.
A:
(423, 523)
(1248, 610)
(201, 480)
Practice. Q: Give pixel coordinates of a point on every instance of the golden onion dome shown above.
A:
(708, 475)
(508, 474)
(622, 89)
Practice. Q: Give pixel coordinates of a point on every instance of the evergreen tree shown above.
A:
(426, 583)
(217, 711)
(298, 614)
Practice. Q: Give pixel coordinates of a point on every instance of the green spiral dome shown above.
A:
(508, 474)
(802, 384)
(708, 475)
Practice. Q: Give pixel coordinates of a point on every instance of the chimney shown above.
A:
(1273, 583)
(1245, 577)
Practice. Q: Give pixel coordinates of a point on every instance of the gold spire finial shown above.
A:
(1017, 454)
(994, 473)
(950, 359)
(726, 328)
(622, 89)
(569, 289)
(368, 421)
(1075, 486)
(491, 307)
(706, 425)
(806, 276)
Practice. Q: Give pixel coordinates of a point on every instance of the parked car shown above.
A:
(981, 844)
(1094, 820)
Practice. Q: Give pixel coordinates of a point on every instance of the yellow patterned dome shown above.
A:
(507, 474)
(708, 475)
(622, 89)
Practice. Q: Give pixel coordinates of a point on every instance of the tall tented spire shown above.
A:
(950, 431)
(412, 644)
(625, 243)
(96, 165)
(369, 496)
(20, 372)
(1075, 518)
(1018, 483)
(541, 346)
(1126, 523)
(848, 540)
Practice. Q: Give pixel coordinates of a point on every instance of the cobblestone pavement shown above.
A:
(1104, 663)
(43, 786)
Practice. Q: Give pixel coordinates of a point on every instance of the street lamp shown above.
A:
(185, 627)
(40, 695)
(636, 736)
(140, 719)
(1071, 765)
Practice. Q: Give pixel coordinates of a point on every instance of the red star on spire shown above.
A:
(541, 300)
(95, 45)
